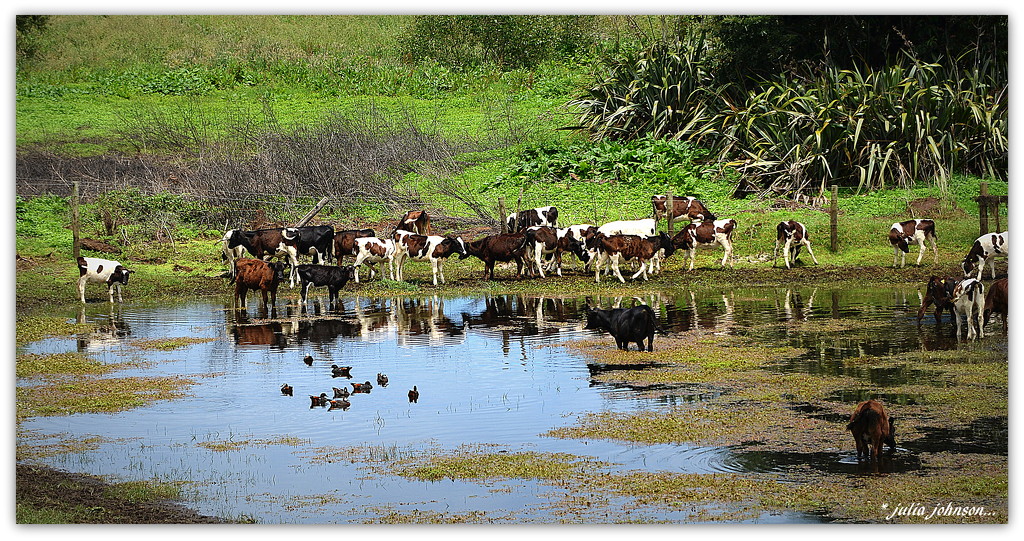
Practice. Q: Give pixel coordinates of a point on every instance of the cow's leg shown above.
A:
(727, 244)
(119, 299)
(920, 253)
(440, 269)
(538, 256)
(81, 287)
(775, 253)
(992, 265)
(597, 267)
(433, 269)
(807, 243)
(979, 310)
(642, 271)
(691, 253)
(895, 255)
(650, 341)
(935, 250)
(615, 267)
(786, 250)
(110, 291)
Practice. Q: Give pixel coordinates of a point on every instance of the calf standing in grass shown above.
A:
(969, 301)
(330, 276)
(984, 251)
(871, 426)
(371, 250)
(791, 235)
(505, 247)
(625, 325)
(903, 234)
(707, 234)
(433, 248)
(91, 269)
(257, 274)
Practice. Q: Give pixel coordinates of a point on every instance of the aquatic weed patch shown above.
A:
(167, 344)
(98, 395)
(235, 445)
(32, 328)
(64, 365)
(475, 465)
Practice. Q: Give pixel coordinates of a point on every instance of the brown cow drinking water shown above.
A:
(870, 425)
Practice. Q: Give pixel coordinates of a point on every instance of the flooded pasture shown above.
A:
(492, 376)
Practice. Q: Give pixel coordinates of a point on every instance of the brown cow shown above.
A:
(997, 300)
(615, 248)
(257, 274)
(870, 425)
(345, 242)
(940, 293)
(504, 247)
(415, 221)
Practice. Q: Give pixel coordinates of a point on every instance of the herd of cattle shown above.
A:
(536, 244)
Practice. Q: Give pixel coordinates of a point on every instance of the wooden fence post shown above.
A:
(983, 209)
(670, 207)
(76, 239)
(309, 215)
(502, 214)
(834, 218)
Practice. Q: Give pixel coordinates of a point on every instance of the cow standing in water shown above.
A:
(625, 325)
(871, 426)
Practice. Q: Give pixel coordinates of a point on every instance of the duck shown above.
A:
(308, 359)
(339, 404)
(362, 387)
(318, 400)
(414, 395)
(286, 389)
(382, 380)
(340, 393)
(340, 371)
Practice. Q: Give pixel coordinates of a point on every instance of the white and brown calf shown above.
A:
(791, 236)
(613, 249)
(432, 248)
(707, 234)
(684, 208)
(984, 251)
(544, 241)
(903, 234)
(112, 273)
(969, 301)
(370, 251)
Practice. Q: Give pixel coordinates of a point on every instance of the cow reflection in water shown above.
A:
(518, 316)
(424, 317)
(794, 308)
(110, 329)
(249, 332)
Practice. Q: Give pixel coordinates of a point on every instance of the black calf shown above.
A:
(332, 277)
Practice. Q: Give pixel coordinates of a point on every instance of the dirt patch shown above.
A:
(82, 497)
(933, 207)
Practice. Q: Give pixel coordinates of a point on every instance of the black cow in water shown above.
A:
(625, 325)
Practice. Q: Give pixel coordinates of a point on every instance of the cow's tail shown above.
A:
(654, 320)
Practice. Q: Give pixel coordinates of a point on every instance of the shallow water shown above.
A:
(483, 378)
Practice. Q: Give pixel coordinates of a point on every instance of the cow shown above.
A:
(313, 240)
(112, 273)
(984, 251)
(330, 276)
(528, 218)
(582, 232)
(871, 426)
(544, 240)
(791, 236)
(707, 234)
(939, 292)
(415, 221)
(625, 325)
(682, 207)
(370, 251)
(433, 248)
(345, 241)
(969, 301)
(257, 274)
(997, 301)
(505, 247)
(663, 248)
(917, 231)
(615, 248)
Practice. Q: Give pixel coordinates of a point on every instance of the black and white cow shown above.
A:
(112, 273)
(791, 236)
(332, 277)
(625, 325)
(528, 218)
(432, 248)
(969, 301)
(315, 240)
(286, 241)
(917, 231)
(231, 250)
(984, 251)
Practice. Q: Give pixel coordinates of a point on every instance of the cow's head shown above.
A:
(901, 241)
(456, 245)
(658, 203)
(969, 264)
(278, 269)
(596, 319)
(120, 275)
(667, 244)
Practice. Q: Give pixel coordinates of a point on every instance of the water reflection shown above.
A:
(110, 329)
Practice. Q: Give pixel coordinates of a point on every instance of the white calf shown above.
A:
(112, 273)
(371, 250)
(641, 228)
(969, 300)
(984, 251)
(792, 235)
